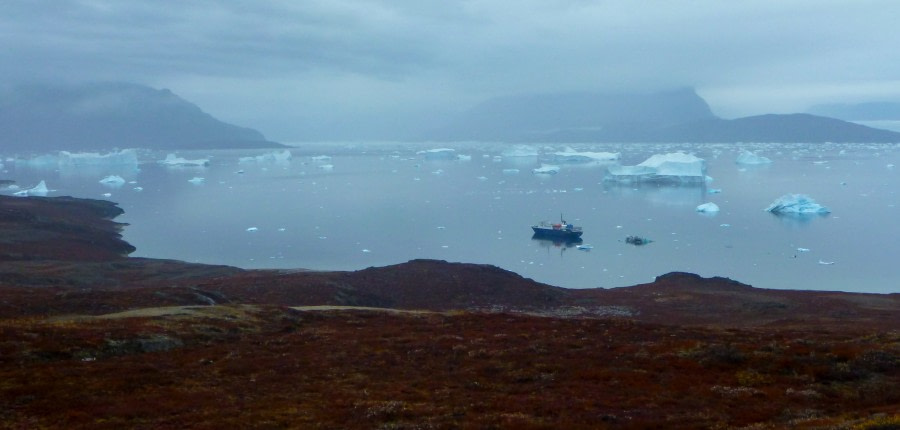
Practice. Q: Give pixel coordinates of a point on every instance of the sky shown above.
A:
(352, 69)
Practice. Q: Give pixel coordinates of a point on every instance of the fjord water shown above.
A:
(383, 204)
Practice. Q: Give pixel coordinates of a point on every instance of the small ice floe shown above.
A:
(438, 154)
(546, 169)
(196, 180)
(327, 167)
(797, 204)
(890, 166)
(107, 195)
(724, 225)
(520, 151)
(571, 156)
(320, 158)
(138, 189)
(714, 191)
(240, 172)
(366, 251)
(802, 249)
(438, 172)
(462, 157)
(749, 158)
(440, 227)
(173, 160)
(821, 162)
(708, 208)
(113, 181)
(585, 247)
(271, 157)
(39, 190)
(510, 171)
(252, 229)
(826, 263)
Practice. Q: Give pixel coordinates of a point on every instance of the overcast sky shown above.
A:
(293, 69)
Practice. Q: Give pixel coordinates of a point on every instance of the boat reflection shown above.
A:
(556, 242)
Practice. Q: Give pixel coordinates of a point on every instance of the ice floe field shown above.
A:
(831, 223)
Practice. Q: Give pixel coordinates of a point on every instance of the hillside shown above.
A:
(92, 338)
(40, 118)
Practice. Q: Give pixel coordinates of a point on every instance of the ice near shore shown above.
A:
(68, 160)
(796, 204)
(173, 160)
(750, 158)
(675, 167)
(39, 190)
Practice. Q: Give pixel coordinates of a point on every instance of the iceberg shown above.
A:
(747, 157)
(546, 169)
(584, 157)
(321, 158)
(39, 190)
(271, 157)
(520, 151)
(510, 171)
(676, 167)
(438, 154)
(173, 160)
(197, 180)
(48, 161)
(708, 208)
(464, 157)
(116, 158)
(796, 204)
(113, 181)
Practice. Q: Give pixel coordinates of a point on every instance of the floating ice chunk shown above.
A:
(271, 157)
(107, 195)
(520, 151)
(585, 247)
(48, 161)
(482, 178)
(138, 189)
(675, 167)
(826, 263)
(113, 181)
(366, 251)
(196, 180)
(708, 208)
(438, 172)
(510, 171)
(115, 158)
(173, 160)
(571, 156)
(546, 169)
(39, 190)
(747, 157)
(327, 167)
(796, 204)
(438, 154)
(462, 157)
(252, 229)
(890, 166)
(802, 249)
(321, 158)
(714, 190)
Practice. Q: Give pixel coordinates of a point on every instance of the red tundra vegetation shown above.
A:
(91, 338)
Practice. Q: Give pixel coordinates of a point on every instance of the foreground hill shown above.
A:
(40, 118)
(92, 338)
(672, 116)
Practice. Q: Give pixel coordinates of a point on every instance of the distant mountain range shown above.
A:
(673, 116)
(872, 111)
(39, 118)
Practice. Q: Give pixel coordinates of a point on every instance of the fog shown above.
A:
(374, 68)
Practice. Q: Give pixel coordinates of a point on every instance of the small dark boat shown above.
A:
(562, 230)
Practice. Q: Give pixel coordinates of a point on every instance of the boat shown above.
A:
(561, 230)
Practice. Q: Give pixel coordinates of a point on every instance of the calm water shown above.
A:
(383, 204)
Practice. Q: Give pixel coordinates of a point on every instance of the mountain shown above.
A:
(871, 111)
(674, 116)
(98, 116)
(534, 117)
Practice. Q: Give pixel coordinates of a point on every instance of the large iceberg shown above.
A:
(796, 204)
(747, 157)
(438, 154)
(271, 157)
(39, 190)
(676, 167)
(571, 156)
(173, 160)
